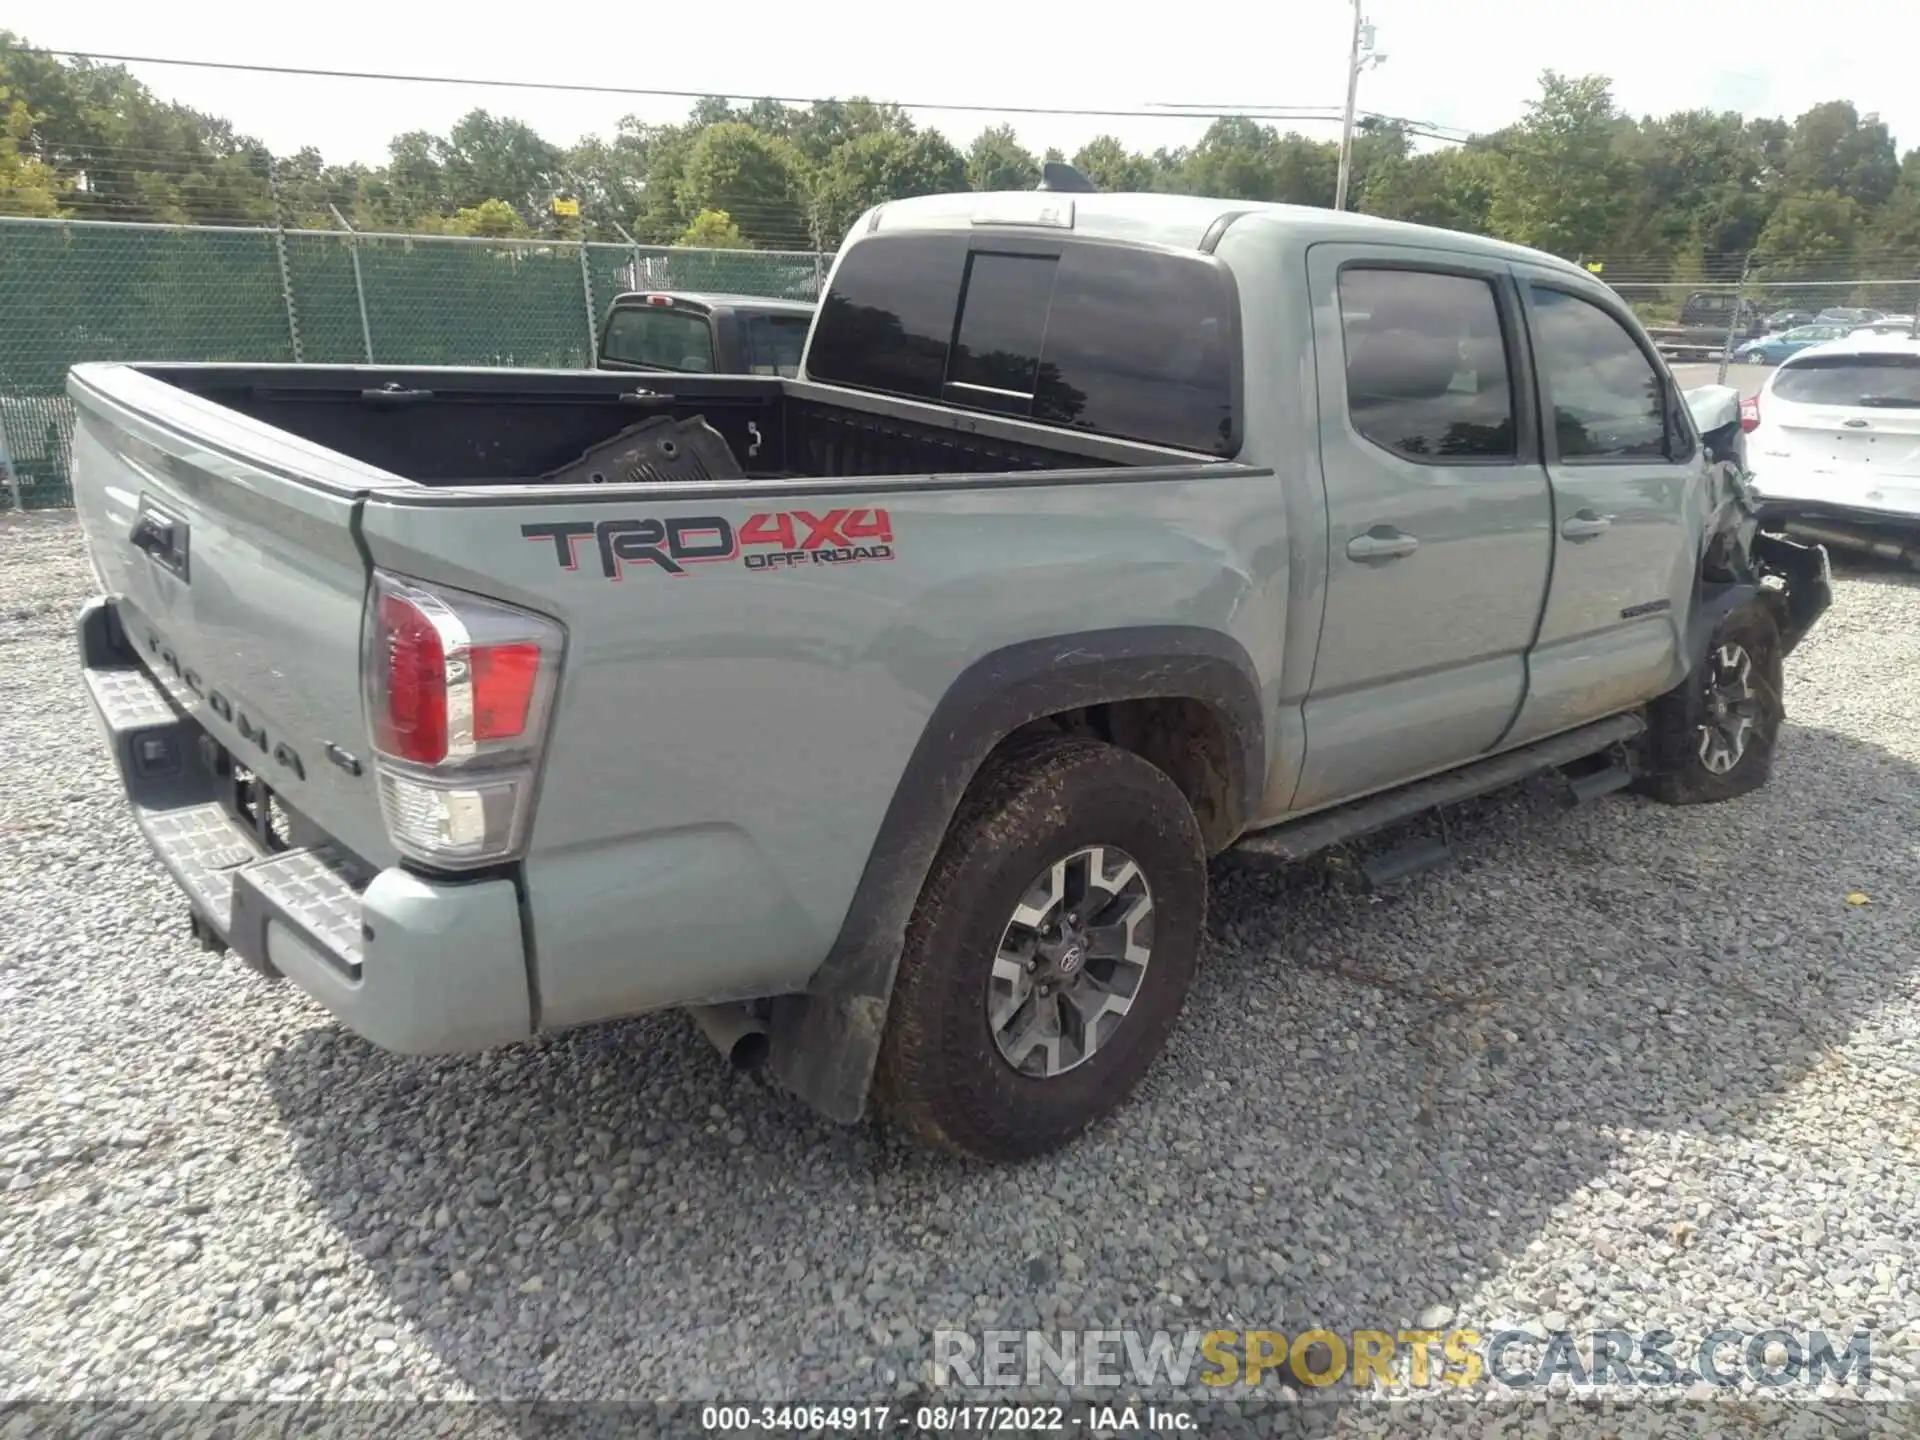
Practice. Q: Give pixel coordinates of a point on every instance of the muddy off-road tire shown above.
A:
(1712, 738)
(1071, 887)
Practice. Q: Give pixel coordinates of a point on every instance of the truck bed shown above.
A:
(473, 427)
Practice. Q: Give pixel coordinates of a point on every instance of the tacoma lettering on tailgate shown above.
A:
(253, 731)
(780, 540)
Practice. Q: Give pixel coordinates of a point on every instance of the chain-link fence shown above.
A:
(78, 290)
(1736, 309)
(81, 290)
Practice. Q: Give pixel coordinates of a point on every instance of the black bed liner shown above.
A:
(441, 427)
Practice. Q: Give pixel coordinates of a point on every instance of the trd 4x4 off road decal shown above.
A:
(798, 537)
(780, 540)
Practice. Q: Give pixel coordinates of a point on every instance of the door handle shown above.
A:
(1382, 542)
(1584, 525)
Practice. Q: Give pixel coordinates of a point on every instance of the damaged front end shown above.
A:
(1742, 555)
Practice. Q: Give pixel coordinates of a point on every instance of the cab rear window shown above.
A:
(659, 338)
(1121, 340)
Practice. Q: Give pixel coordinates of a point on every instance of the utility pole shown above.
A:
(1359, 58)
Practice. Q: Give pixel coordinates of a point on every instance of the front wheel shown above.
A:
(1713, 737)
(1052, 947)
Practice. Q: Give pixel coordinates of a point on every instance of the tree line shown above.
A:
(1573, 175)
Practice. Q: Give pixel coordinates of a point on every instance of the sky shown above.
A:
(1468, 64)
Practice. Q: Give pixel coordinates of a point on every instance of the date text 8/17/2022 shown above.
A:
(959, 1419)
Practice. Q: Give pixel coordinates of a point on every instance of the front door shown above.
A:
(1629, 482)
(1439, 515)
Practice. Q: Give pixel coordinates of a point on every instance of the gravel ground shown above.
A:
(1618, 1065)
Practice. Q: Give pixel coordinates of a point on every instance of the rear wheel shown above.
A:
(1713, 737)
(1048, 957)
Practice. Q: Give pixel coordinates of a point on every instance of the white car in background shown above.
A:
(1833, 445)
(1885, 325)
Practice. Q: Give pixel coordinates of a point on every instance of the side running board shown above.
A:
(1297, 839)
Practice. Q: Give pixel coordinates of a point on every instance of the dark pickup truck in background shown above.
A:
(704, 334)
(1705, 322)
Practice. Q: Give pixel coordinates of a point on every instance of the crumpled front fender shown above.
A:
(1739, 559)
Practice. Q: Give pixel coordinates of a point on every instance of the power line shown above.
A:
(1254, 109)
(1161, 112)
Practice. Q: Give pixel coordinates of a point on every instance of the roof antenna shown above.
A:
(1058, 175)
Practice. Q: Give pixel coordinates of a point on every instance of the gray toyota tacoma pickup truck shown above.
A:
(886, 716)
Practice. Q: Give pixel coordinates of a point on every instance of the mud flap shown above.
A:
(823, 1049)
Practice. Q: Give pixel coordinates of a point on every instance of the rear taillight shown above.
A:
(504, 677)
(458, 693)
(410, 723)
(1750, 414)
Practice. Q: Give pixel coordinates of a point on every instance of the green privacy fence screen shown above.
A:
(76, 290)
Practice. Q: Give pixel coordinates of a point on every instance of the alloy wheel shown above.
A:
(1071, 961)
(1732, 709)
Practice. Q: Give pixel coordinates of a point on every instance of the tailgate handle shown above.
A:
(153, 535)
(162, 537)
(395, 394)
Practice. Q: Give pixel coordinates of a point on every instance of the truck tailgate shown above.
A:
(228, 551)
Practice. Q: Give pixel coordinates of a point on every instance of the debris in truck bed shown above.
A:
(660, 450)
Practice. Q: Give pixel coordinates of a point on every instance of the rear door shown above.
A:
(1628, 495)
(1438, 511)
(1843, 428)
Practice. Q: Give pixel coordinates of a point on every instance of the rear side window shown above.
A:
(1118, 340)
(774, 343)
(1003, 320)
(1427, 374)
(659, 338)
(1609, 402)
(1870, 382)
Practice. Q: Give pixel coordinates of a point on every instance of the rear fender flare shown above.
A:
(825, 1041)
